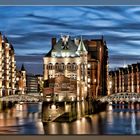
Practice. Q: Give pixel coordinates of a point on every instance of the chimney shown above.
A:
(76, 41)
(53, 41)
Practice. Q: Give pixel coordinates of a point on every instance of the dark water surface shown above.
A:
(26, 119)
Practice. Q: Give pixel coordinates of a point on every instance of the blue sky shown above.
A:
(30, 28)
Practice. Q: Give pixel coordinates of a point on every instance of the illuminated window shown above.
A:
(74, 66)
(89, 65)
(88, 80)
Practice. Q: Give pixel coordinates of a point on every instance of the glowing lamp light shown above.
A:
(133, 98)
(48, 99)
(88, 80)
(89, 65)
(53, 107)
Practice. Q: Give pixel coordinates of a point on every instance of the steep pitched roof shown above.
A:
(63, 46)
(81, 48)
(23, 68)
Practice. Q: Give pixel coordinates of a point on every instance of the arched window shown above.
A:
(50, 66)
(69, 66)
(74, 66)
(56, 66)
(62, 66)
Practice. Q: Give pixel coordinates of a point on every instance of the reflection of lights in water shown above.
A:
(36, 116)
(110, 107)
(53, 128)
(1, 116)
(121, 113)
(83, 119)
(40, 106)
(133, 123)
(21, 121)
(78, 98)
(83, 108)
(65, 128)
(40, 129)
(132, 106)
(127, 114)
(20, 107)
(78, 127)
(78, 110)
(84, 125)
(109, 114)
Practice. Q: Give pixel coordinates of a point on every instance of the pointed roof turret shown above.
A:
(81, 48)
(11, 46)
(23, 68)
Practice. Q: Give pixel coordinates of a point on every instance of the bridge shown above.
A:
(121, 97)
(22, 98)
(34, 98)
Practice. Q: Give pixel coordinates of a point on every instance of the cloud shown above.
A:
(31, 28)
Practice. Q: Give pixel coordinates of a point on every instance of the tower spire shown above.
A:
(22, 67)
(5, 39)
(81, 48)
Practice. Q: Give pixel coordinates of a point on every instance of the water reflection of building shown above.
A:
(82, 60)
(7, 67)
(125, 79)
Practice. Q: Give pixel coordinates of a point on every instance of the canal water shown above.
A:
(26, 119)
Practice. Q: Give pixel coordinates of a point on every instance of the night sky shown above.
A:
(31, 28)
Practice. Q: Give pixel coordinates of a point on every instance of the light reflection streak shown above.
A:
(53, 128)
(133, 123)
(65, 128)
(78, 110)
(78, 127)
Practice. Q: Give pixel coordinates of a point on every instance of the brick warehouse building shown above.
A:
(125, 79)
(7, 67)
(85, 61)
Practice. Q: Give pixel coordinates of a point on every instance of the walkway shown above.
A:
(121, 97)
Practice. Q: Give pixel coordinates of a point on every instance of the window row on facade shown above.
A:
(62, 66)
(72, 76)
(122, 82)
